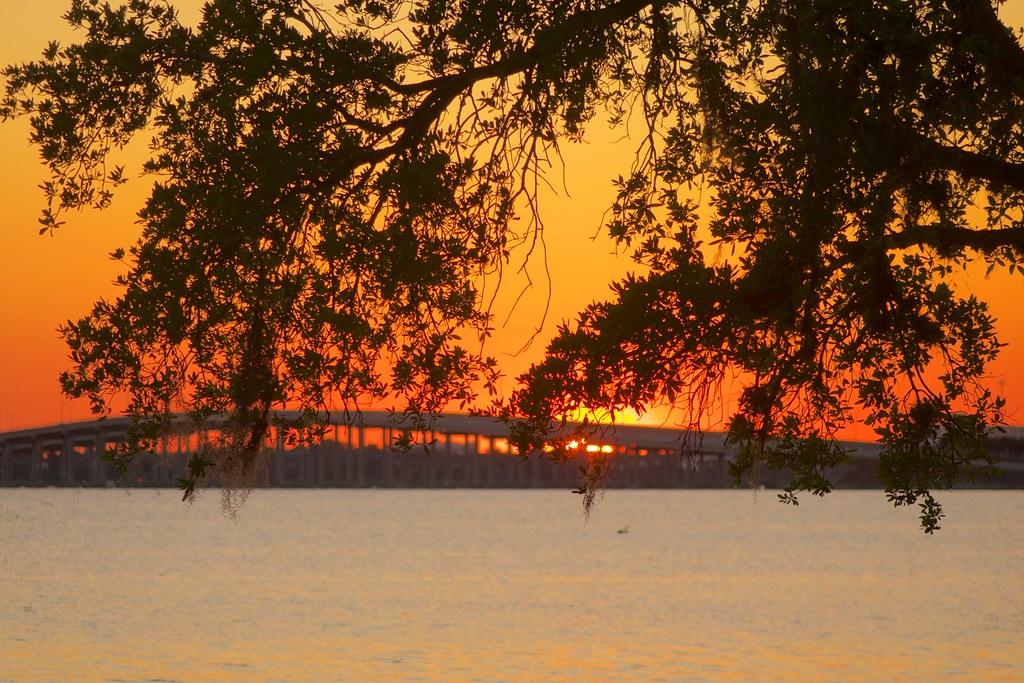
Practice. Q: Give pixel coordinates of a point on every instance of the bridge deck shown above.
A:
(468, 451)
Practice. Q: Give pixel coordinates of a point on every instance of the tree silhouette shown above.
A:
(332, 183)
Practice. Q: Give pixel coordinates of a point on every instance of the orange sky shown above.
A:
(45, 280)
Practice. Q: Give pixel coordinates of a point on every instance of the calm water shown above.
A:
(507, 585)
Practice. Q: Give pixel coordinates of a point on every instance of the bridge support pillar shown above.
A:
(361, 457)
(5, 464)
(447, 482)
(36, 464)
(96, 461)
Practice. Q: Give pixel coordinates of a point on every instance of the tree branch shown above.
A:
(550, 40)
(946, 237)
(997, 48)
(443, 90)
(998, 172)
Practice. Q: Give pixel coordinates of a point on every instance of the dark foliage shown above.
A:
(332, 184)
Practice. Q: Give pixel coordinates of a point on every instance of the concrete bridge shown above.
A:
(467, 452)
